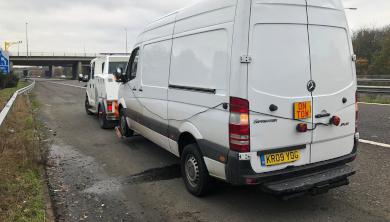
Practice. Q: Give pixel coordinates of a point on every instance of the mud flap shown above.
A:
(315, 183)
(118, 132)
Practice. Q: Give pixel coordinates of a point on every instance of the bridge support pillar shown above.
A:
(74, 71)
(51, 70)
(79, 68)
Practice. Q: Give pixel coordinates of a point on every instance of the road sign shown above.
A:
(4, 62)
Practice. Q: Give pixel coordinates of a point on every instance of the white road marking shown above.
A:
(65, 84)
(375, 143)
(378, 104)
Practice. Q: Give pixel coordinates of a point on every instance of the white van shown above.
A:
(102, 88)
(249, 92)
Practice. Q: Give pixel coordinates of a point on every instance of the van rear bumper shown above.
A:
(333, 172)
(315, 183)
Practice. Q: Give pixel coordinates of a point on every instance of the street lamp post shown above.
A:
(27, 38)
(126, 40)
(19, 42)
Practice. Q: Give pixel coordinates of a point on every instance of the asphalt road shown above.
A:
(94, 176)
(374, 123)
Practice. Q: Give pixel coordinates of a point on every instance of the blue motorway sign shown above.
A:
(4, 63)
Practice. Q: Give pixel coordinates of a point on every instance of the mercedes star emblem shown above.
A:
(311, 86)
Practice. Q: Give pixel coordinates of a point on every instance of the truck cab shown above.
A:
(102, 89)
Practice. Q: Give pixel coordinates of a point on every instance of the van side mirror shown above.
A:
(120, 75)
(85, 78)
(81, 77)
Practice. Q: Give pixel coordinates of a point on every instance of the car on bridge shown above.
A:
(102, 90)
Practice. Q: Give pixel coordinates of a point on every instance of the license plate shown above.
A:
(302, 110)
(273, 159)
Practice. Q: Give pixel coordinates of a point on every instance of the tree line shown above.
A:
(372, 48)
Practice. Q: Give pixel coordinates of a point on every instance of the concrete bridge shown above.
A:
(78, 61)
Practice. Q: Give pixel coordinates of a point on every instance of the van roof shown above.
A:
(104, 57)
(210, 5)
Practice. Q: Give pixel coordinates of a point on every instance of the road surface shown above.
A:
(95, 176)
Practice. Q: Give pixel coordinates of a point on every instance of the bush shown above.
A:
(8, 81)
(372, 47)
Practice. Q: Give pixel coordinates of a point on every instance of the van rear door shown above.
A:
(278, 75)
(332, 70)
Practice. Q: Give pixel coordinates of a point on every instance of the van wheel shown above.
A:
(124, 128)
(194, 171)
(104, 123)
(87, 106)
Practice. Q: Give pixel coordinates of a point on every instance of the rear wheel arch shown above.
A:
(185, 139)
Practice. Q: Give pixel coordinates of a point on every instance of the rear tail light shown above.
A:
(109, 106)
(302, 127)
(335, 120)
(239, 133)
(356, 113)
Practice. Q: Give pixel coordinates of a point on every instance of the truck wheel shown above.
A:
(87, 106)
(194, 171)
(124, 128)
(104, 123)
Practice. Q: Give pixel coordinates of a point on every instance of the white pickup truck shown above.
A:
(102, 89)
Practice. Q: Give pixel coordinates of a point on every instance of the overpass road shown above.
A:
(94, 176)
(79, 62)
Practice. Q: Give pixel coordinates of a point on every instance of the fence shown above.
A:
(8, 106)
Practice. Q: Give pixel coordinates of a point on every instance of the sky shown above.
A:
(95, 26)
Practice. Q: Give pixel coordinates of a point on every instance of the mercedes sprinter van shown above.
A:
(255, 92)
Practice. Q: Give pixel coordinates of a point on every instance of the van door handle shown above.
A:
(322, 115)
(134, 89)
(140, 89)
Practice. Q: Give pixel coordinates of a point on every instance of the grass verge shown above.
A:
(21, 184)
(5, 94)
(374, 98)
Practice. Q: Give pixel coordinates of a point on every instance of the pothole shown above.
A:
(155, 174)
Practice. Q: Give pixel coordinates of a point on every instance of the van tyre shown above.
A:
(104, 123)
(87, 106)
(194, 171)
(123, 127)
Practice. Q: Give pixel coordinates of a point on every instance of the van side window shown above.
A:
(103, 67)
(131, 71)
(155, 63)
(134, 64)
(200, 60)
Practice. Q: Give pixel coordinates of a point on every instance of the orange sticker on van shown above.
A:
(302, 110)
